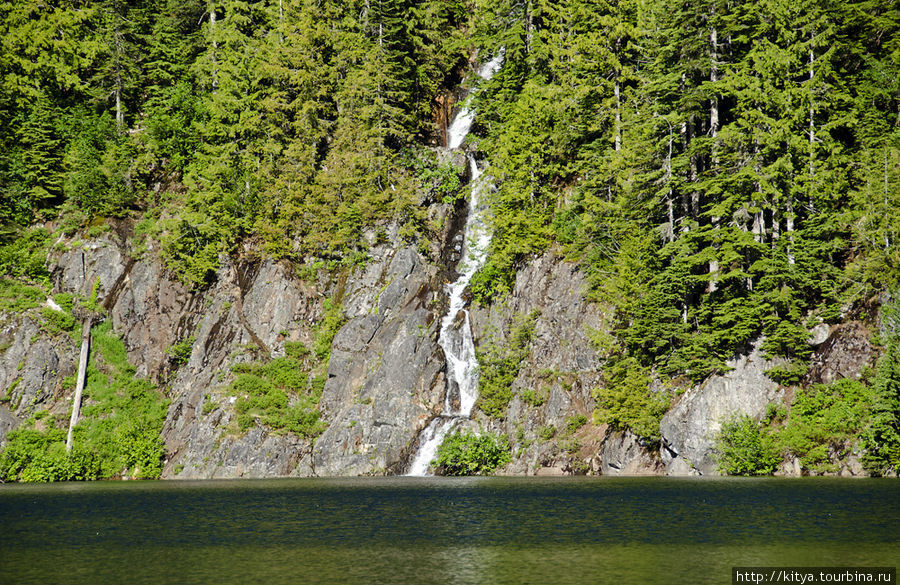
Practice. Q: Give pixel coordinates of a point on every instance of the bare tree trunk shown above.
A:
(789, 227)
(618, 130)
(79, 385)
(667, 179)
(713, 78)
(529, 29)
(714, 132)
(120, 117)
(215, 47)
(812, 120)
(694, 174)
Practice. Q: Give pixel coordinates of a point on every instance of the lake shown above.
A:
(441, 530)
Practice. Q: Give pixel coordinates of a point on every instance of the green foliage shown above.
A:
(23, 254)
(534, 397)
(713, 191)
(881, 438)
(789, 373)
(119, 432)
(573, 423)
(465, 453)
(32, 456)
(56, 321)
(625, 401)
(92, 304)
(100, 179)
(442, 181)
(746, 448)
(296, 350)
(327, 328)
(16, 297)
(499, 360)
(180, 353)
(823, 418)
(282, 393)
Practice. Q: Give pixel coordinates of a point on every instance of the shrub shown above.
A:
(180, 353)
(327, 328)
(744, 448)
(881, 438)
(57, 322)
(547, 432)
(824, 416)
(499, 362)
(120, 427)
(281, 394)
(24, 254)
(573, 423)
(626, 402)
(465, 453)
(17, 298)
(534, 397)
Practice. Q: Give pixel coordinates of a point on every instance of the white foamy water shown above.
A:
(462, 123)
(456, 333)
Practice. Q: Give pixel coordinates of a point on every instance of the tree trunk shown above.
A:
(79, 385)
(215, 47)
(812, 119)
(789, 227)
(713, 78)
(667, 178)
(529, 28)
(618, 130)
(714, 131)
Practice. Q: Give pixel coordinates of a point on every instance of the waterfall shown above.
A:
(456, 333)
(459, 129)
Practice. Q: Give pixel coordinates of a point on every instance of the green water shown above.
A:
(438, 530)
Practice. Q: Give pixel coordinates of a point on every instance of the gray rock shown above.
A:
(385, 376)
(819, 334)
(7, 423)
(623, 454)
(99, 259)
(689, 428)
(562, 365)
(32, 367)
(845, 354)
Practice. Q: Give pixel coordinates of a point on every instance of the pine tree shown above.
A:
(882, 437)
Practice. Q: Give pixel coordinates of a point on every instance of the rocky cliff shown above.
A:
(385, 376)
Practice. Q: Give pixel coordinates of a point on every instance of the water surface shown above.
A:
(441, 530)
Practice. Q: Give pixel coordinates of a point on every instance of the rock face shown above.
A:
(623, 454)
(251, 312)
(385, 376)
(32, 368)
(386, 372)
(552, 391)
(689, 428)
(844, 352)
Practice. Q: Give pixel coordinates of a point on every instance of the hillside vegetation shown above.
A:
(723, 170)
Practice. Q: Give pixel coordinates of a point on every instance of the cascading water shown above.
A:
(456, 334)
